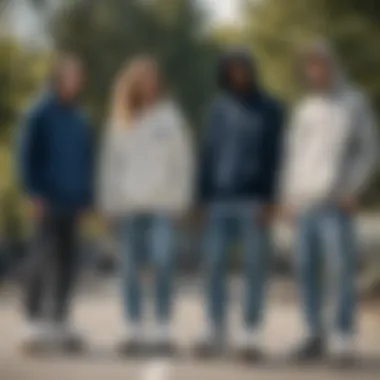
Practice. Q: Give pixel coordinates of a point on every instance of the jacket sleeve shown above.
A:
(90, 157)
(274, 154)
(363, 155)
(289, 161)
(29, 151)
(108, 173)
(206, 154)
(183, 164)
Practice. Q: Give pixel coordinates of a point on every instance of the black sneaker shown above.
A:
(250, 354)
(73, 345)
(34, 347)
(311, 350)
(165, 348)
(207, 349)
(130, 347)
(344, 361)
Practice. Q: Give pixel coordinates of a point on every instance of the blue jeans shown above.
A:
(154, 236)
(327, 264)
(226, 223)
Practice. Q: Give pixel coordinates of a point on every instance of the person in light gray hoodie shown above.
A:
(145, 186)
(331, 155)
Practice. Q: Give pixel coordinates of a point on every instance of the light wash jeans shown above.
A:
(228, 223)
(327, 264)
(151, 236)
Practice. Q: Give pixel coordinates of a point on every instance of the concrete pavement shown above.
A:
(100, 317)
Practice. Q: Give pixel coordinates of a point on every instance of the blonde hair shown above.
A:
(127, 101)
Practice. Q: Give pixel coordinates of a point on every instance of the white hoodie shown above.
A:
(147, 166)
(332, 146)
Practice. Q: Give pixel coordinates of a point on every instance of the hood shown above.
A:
(236, 55)
(323, 50)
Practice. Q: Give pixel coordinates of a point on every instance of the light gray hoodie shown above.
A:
(147, 166)
(332, 143)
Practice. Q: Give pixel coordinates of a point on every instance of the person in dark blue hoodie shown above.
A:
(238, 177)
(55, 156)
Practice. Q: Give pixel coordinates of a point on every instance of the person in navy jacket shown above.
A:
(55, 156)
(238, 177)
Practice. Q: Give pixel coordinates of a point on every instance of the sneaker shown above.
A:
(132, 341)
(342, 349)
(211, 344)
(37, 336)
(69, 338)
(312, 349)
(163, 341)
(248, 346)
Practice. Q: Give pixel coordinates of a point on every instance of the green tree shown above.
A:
(20, 75)
(277, 31)
(107, 34)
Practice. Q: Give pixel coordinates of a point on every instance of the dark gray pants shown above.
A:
(51, 267)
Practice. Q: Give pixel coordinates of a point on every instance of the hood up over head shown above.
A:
(243, 57)
(322, 50)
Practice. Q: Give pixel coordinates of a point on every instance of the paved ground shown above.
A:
(100, 317)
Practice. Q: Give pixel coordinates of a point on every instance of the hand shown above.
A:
(111, 222)
(86, 213)
(349, 204)
(37, 208)
(288, 213)
(199, 215)
(267, 214)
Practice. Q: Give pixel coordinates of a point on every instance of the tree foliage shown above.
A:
(20, 75)
(108, 34)
(277, 30)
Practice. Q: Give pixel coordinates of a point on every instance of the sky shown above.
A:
(222, 10)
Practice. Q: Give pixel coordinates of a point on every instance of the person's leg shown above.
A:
(257, 254)
(216, 253)
(66, 259)
(347, 297)
(38, 265)
(162, 253)
(309, 270)
(340, 258)
(130, 230)
(35, 270)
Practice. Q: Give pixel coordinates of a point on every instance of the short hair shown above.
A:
(59, 61)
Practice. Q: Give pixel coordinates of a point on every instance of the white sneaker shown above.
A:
(162, 340)
(134, 332)
(37, 335)
(132, 340)
(249, 339)
(248, 345)
(68, 336)
(162, 334)
(212, 342)
(342, 346)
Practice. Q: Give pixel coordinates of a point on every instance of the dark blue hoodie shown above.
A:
(241, 151)
(56, 154)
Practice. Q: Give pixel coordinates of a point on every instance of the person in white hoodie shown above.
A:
(331, 155)
(145, 186)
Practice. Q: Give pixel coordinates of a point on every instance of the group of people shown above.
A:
(250, 170)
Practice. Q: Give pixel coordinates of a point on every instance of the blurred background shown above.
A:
(187, 37)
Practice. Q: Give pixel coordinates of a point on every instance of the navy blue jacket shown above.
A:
(242, 150)
(56, 154)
